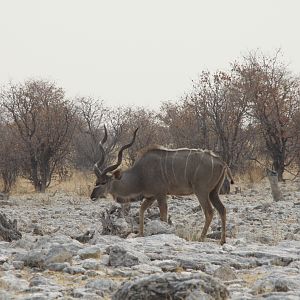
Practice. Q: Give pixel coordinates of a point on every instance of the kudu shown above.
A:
(159, 172)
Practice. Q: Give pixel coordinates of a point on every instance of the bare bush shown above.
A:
(295, 130)
(11, 156)
(184, 128)
(45, 123)
(90, 114)
(150, 130)
(218, 101)
(93, 114)
(272, 92)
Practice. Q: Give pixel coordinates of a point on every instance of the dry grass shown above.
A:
(251, 278)
(190, 234)
(80, 183)
(22, 186)
(254, 174)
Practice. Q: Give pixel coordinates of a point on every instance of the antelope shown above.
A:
(159, 172)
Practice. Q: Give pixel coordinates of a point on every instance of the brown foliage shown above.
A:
(272, 93)
(150, 130)
(183, 126)
(45, 125)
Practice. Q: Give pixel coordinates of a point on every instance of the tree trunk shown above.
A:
(34, 174)
(39, 174)
(279, 168)
(273, 179)
(44, 167)
(278, 158)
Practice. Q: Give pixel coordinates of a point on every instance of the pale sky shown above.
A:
(136, 52)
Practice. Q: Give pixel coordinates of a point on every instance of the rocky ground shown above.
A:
(261, 259)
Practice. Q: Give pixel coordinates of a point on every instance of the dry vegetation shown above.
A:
(79, 183)
(250, 112)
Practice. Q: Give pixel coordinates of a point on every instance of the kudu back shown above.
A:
(159, 172)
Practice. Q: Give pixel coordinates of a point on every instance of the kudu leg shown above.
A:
(145, 204)
(208, 212)
(216, 202)
(163, 208)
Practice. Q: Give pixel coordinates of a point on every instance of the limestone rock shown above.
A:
(120, 256)
(172, 286)
(90, 252)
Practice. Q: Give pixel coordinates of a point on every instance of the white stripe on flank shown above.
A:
(212, 168)
(199, 165)
(162, 170)
(166, 171)
(174, 175)
(186, 163)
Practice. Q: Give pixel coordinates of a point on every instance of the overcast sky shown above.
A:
(138, 52)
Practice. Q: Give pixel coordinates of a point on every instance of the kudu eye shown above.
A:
(102, 182)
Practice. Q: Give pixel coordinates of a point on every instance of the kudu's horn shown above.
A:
(100, 162)
(113, 167)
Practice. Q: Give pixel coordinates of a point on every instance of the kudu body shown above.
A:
(159, 172)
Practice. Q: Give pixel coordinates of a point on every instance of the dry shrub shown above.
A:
(253, 174)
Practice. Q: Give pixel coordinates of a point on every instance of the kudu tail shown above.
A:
(229, 174)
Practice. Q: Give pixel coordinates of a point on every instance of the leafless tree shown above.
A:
(272, 92)
(116, 119)
(220, 107)
(92, 115)
(11, 156)
(45, 123)
(295, 130)
(184, 128)
(150, 130)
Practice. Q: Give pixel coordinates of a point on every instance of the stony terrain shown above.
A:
(261, 259)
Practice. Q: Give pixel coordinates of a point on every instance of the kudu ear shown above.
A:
(117, 174)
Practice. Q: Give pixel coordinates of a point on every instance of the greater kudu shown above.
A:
(159, 172)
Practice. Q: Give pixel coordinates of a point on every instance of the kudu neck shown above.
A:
(127, 186)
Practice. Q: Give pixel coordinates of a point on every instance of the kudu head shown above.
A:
(105, 177)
